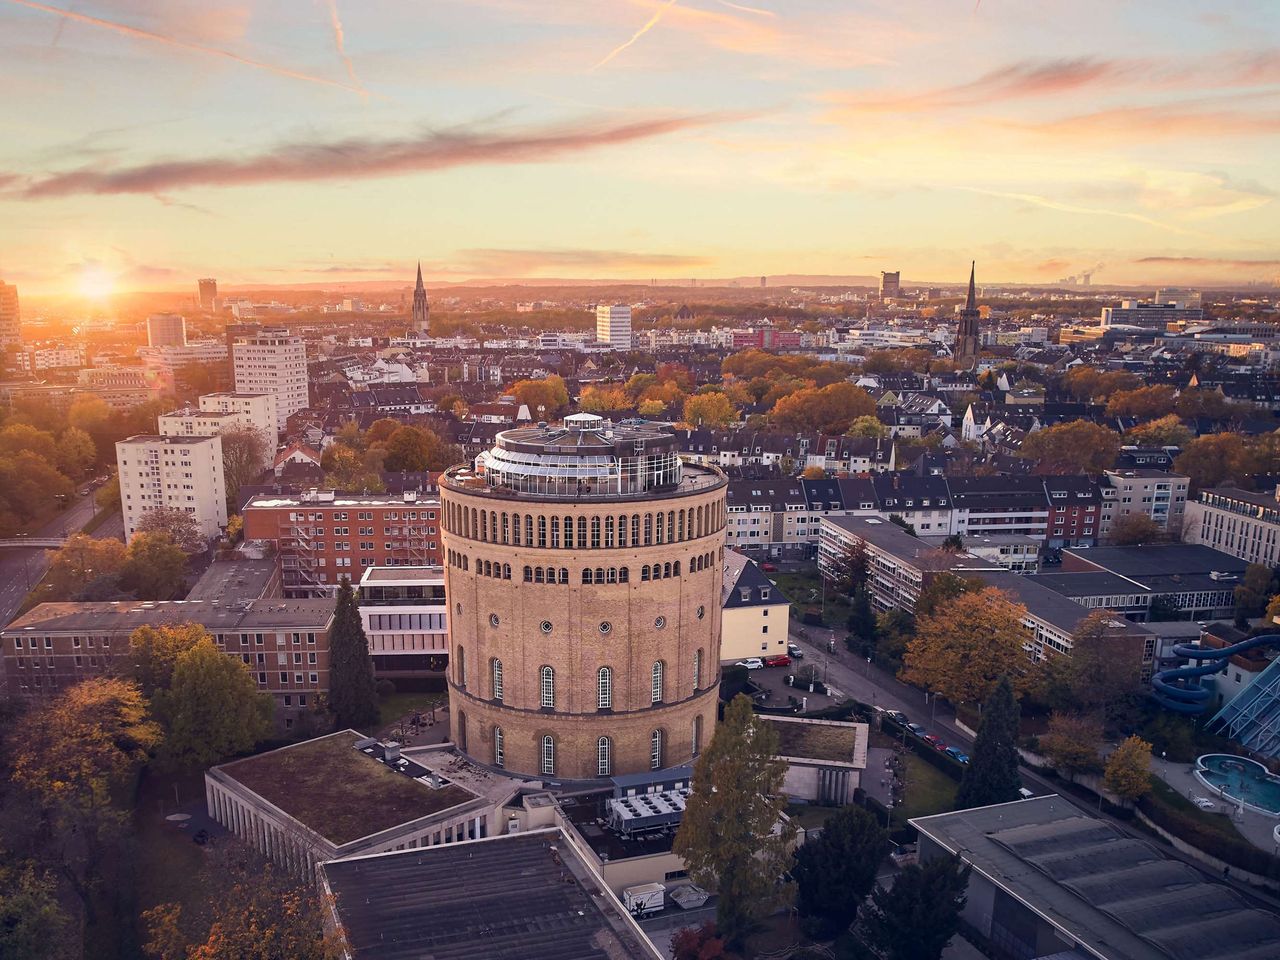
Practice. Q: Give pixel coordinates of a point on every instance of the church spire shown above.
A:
(967, 334)
(970, 304)
(420, 316)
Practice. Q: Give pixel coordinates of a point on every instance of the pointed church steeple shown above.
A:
(970, 304)
(967, 340)
(421, 309)
(420, 286)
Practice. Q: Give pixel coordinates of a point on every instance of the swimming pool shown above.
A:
(1240, 779)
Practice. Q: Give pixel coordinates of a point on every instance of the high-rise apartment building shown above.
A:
(583, 570)
(208, 288)
(220, 412)
(613, 325)
(166, 330)
(183, 473)
(10, 316)
(273, 361)
(890, 285)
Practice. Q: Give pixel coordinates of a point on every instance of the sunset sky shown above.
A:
(145, 143)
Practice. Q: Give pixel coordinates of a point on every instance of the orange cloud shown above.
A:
(360, 158)
(1210, 262)
(170, 41)
(1188, 119)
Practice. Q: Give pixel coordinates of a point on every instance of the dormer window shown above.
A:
(764, 593)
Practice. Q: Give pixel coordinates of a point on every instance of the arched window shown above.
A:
(499, 754)
(648, 529)
(599, 574)
(528, 531)
(462, 731)
(496, 665)
(622, 530)
(697, 669)
(666, 570)
(644, 573)
(655, 750)
(697, 735)
(608, 531)
(680, 527)
(506, 571)
(671, 525)
(564, 575)
(611, 575)
(656, 679)
(461, 669)
(586, 574)
(555, 533)
(676, 569)
(624, 575)
(515, 529)
(528, 574)
(604, 757)
(542, 531)
(549, 755)
(547, 686)
(604, 689)
(635, 530)
(582, 533)
(537, 574)
(506, 528)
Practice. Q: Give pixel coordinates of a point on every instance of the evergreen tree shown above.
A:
(726, 837)
(862, 621)
(916, 918)
(992, 774)
(353, 697)
(835, 872)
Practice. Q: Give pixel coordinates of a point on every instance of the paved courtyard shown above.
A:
(1256, 827)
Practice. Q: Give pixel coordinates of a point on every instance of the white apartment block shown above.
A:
(166, 330)
(1159, 495)
(1238, 522)
(184, 473)
(406, 620)
(168, 360)
(613, 326)
(273, 361)
(220, 412)
(10, 316)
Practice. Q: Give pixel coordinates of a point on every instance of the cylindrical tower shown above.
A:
(583, 571)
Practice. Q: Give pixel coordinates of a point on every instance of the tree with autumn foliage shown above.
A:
(729, 838)
(1166, 431)
(1103, 668)
(1132, 529)
(546, 398)
(698, 943)
(1144, 403)
(74, 758)
(1076, 446)
(603, 399)
(709, 410)
(182, 527)
(830, 409)
(967, 644)
(1071, 743)
(1128, 773)
(154, 652)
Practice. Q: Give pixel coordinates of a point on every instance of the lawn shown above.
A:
(928, 791)
(799, 587)
(169, 867)
(397, 706)
(1216, 822)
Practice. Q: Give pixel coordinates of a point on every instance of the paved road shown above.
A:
(852, 675)
(20, 570)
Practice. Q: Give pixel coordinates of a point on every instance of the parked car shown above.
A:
(916, 728)
(935, 742)
(777, 660)
(898, 717)
(955, 753)
(796, 652)
(1204, 803)
(769, 567)
(751, 663)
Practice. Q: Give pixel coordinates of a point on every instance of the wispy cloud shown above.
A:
(177, 43)
(521, 262)
(742, 8)
(360, 158)
(648, 25)
(339, 41)
(1210, 262)
(1177, 121)
(1050, 204)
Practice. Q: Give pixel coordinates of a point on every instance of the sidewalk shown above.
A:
(1255, 827)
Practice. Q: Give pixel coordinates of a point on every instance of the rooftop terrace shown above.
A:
(828, 740)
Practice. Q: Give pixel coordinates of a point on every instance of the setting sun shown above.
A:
(96, 282)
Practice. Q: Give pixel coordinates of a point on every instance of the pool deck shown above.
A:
(1254, 826)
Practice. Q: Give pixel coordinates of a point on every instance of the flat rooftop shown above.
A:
(341, 500)
(340, 792)
(377, 575)
(830, 740)
(589, 814)
(125, 616)
(1121, 898)
(167, 441)
(234, 580)
(524, 896)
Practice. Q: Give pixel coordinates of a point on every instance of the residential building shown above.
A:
(207, 293)
(1049, 880)
(1009, 551)
(166, 330)
(1149, 315)
(761, 518)
(756, 615)
(321, 536)
(1000, 505)
(182, 473)
(285, 644)
(1238, 522)
(166, 362)
(1156, 494)
(39, 358)
(121, 387)
(406, 620)
(584, 564)
(1075, 511)
(220, 412)
(273, 361)
(10, 315)
(613, 325)
(926, 503)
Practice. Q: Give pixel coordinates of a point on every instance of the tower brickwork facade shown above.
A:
(967, 333)
(583, 570)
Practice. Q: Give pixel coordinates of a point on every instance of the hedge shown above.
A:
(1234, 850)
(947, 764)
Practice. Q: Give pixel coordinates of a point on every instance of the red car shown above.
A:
(769, 567)
(935, 742)
(777, 660)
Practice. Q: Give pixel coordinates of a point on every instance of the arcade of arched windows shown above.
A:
(556, 532)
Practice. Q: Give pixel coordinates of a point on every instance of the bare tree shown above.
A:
(244, 457)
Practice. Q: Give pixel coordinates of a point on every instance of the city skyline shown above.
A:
(648, 139)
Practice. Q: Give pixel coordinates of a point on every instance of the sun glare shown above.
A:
(96, 283)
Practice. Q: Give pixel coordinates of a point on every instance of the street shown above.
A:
(20, 570)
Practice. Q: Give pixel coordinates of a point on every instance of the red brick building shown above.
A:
(320, 537)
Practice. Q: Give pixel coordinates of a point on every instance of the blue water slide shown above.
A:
(1178, 689)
